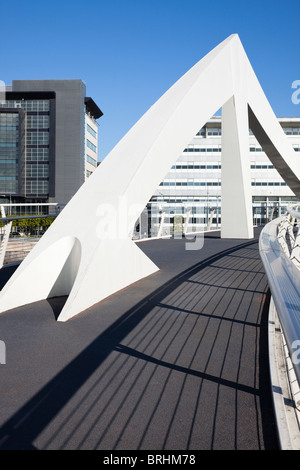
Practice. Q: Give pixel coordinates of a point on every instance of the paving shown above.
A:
(177, 361)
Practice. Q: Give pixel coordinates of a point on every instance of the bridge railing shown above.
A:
(279, 247)
(14, 249)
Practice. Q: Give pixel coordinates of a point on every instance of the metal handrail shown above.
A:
(284, 283)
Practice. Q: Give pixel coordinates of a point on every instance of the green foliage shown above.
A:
(178, 224)
(44, 222)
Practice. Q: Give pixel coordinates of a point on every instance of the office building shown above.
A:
(48, 140)
(190, 193)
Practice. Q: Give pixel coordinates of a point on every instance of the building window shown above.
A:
(9, 150)
(37, 171)
(8, 144)
(38, 122)
(38, 138)
(213, 131)
(37, 187)
(91, 146)
(292, 130)
(91, 131)
(37, 154)
(91, 160)
(28, 105)
(8, 186)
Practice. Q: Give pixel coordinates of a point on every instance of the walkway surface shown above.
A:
(178, 361)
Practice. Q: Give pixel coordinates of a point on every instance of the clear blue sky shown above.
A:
(129, 52)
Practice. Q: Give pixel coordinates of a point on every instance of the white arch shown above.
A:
(123, 184)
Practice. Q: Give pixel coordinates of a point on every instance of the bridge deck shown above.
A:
(177, 361)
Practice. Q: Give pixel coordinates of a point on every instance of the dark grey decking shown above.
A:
(177, 361)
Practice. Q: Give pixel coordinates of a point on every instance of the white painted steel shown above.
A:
(284, 282)
(236, 197)
(285, 413)
(94, 259)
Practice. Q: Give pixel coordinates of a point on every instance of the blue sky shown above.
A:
(129, 52)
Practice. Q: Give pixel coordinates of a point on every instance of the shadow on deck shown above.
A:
(178, 361)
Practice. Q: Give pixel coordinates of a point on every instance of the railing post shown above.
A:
(211, 214)
(4, 242)
(161, 225)
(187, 219)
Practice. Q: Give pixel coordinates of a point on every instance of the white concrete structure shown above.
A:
(90, 261)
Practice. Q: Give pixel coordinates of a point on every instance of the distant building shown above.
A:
(191, 190)
(48, 140)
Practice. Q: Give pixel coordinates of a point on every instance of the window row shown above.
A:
(9, 152)
(9, 125)
(35, 171)
(8, 138)
(35, 122)
(292, 130)
(37, 187)
(217, 166)
(217, 131)
(218, 183)
(4, 127)
(262, 167)
(190, 183)
(268, 183)
(213, 131)
(8, 169)
(9, 131)
(203, 149)
(8, 144)
(7, 119)
(41, 138)
(8, 186)
(217, 149)
(196, 167)
(28, 105)
(38, 154)
(4, 161)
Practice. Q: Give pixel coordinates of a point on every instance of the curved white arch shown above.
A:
(133, 170)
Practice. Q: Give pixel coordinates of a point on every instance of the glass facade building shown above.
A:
(9, 151)
(42, 140)
(25, 152)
